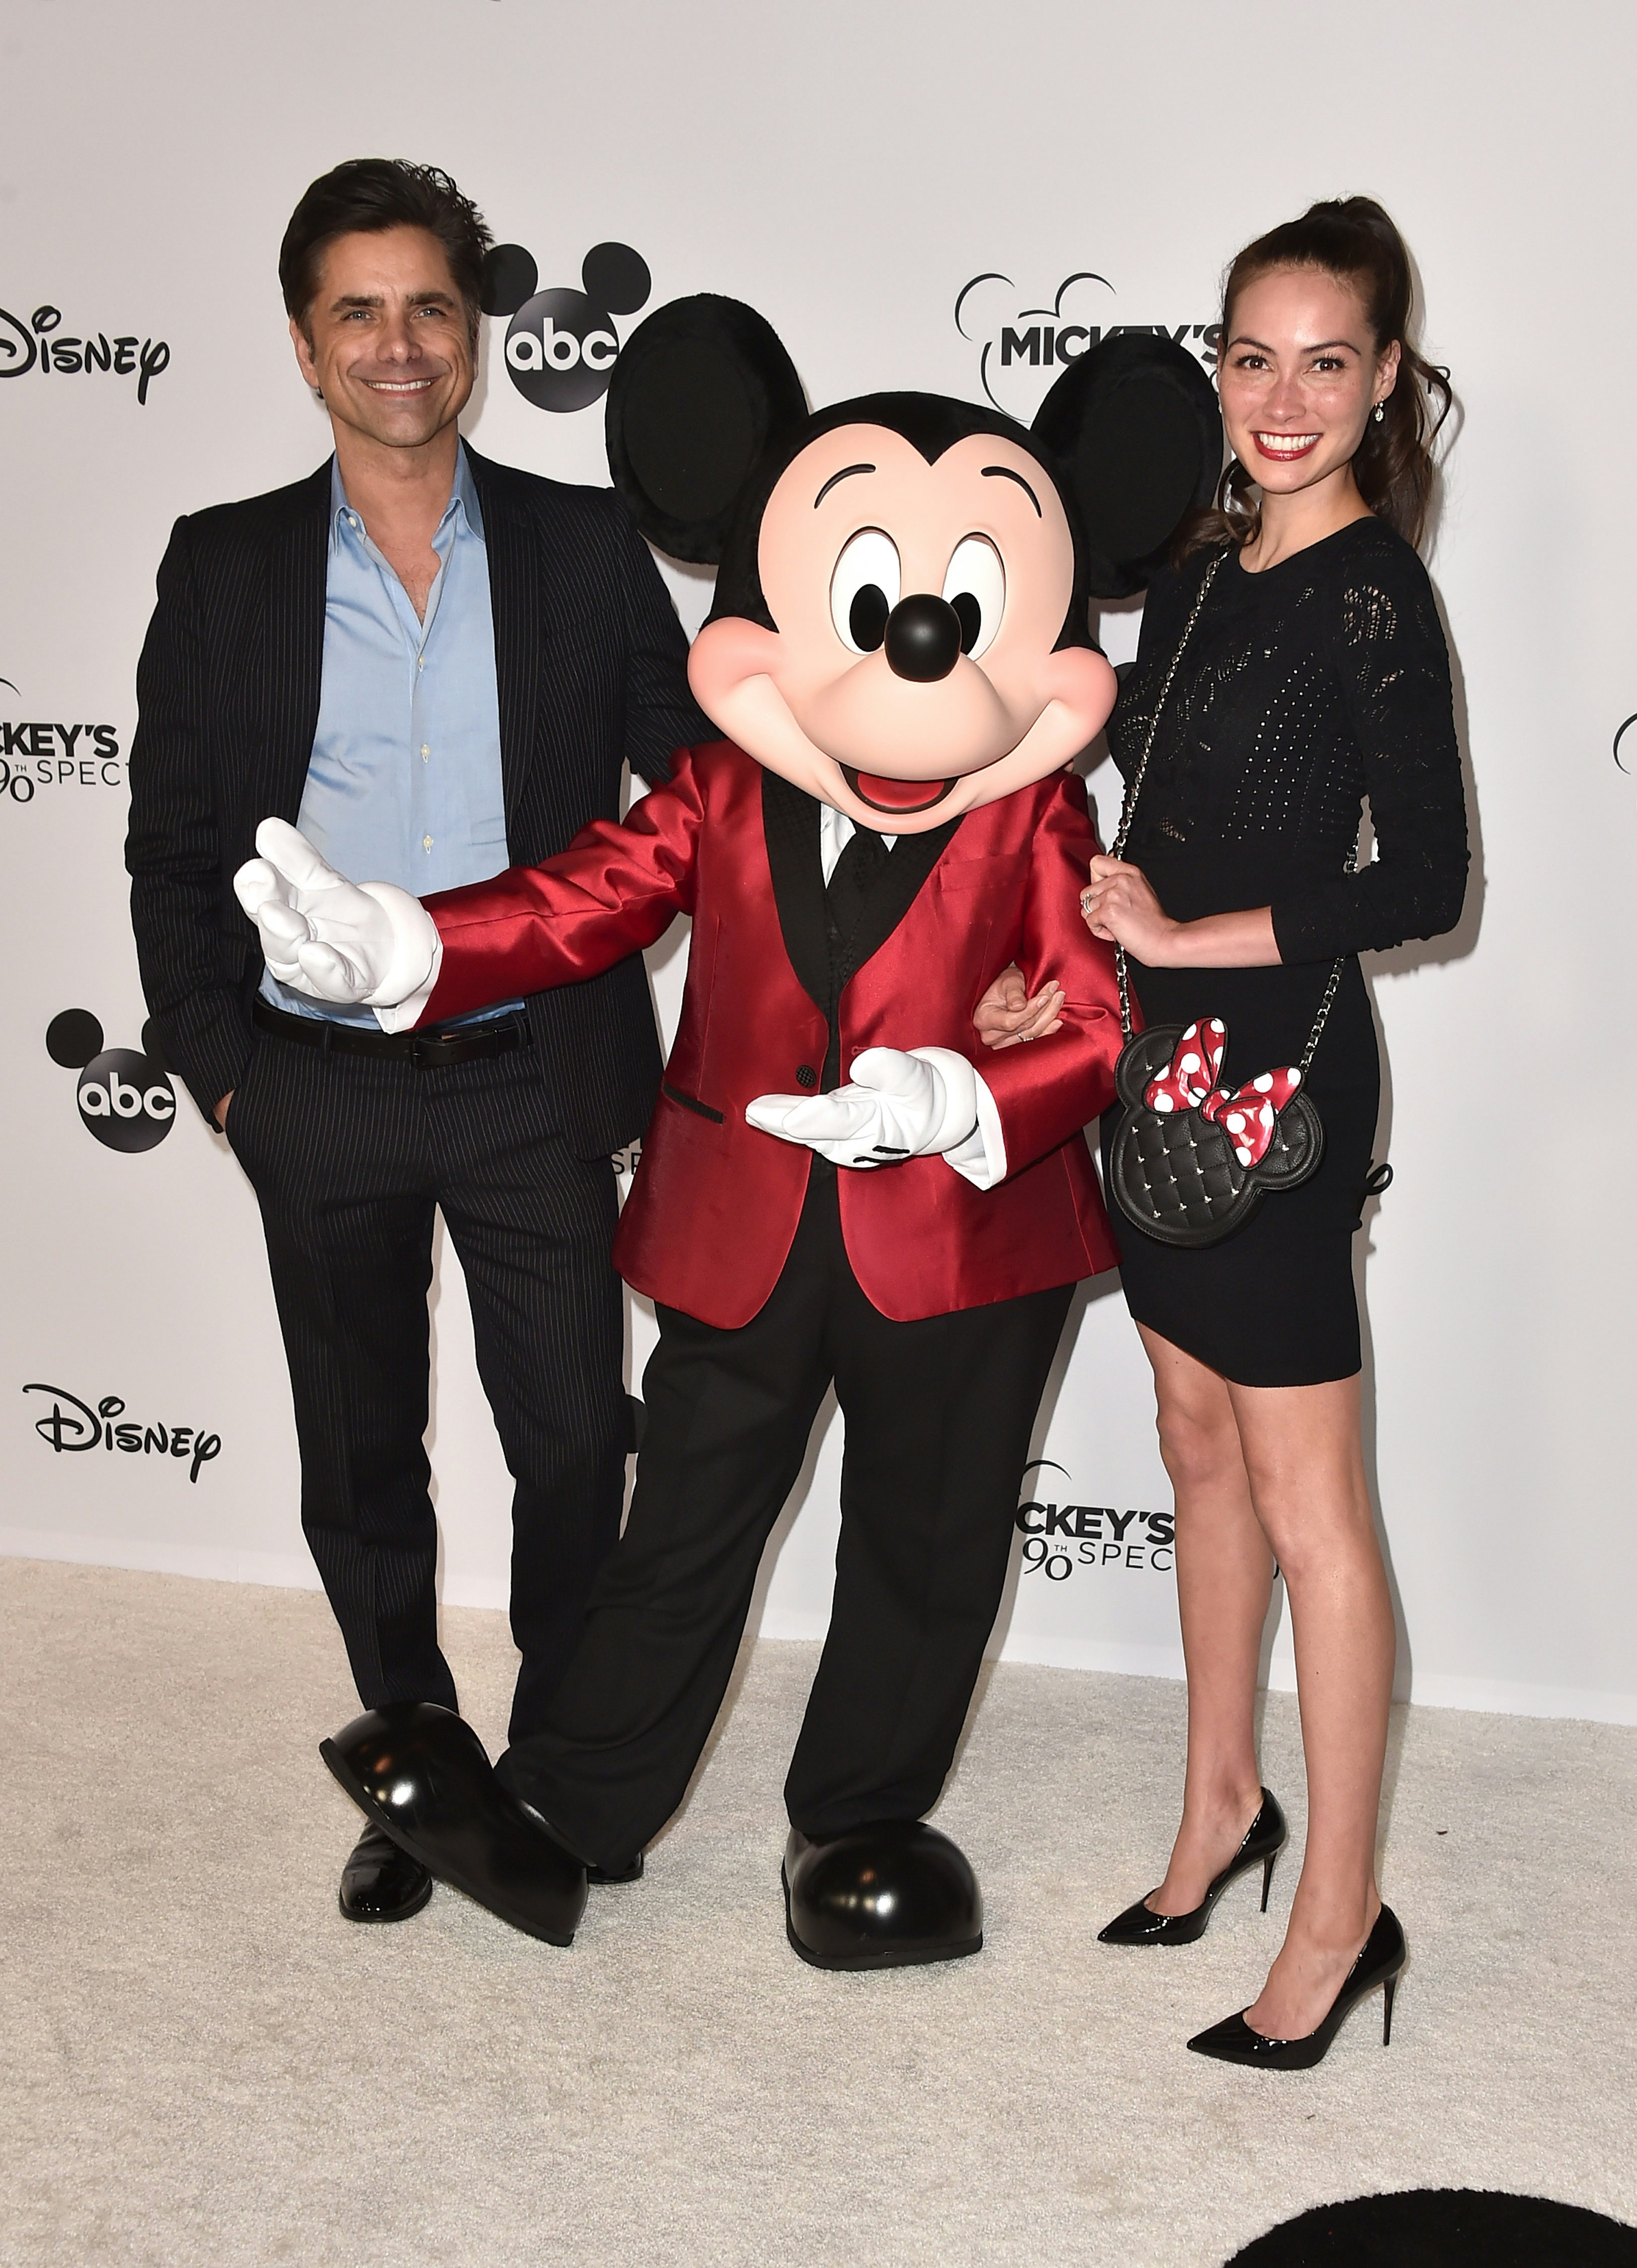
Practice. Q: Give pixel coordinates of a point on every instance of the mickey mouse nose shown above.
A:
(922, 638)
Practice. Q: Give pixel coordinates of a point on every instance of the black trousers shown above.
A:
(350, 1157)
(938, 1415)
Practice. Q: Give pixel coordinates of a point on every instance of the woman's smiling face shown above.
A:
(1299, 374)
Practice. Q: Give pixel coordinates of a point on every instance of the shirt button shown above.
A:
(425, 751)
(805, 1075)
(426, 842)
(351, 521)
(420, 661)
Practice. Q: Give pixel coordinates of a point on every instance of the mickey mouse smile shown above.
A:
(895, 797)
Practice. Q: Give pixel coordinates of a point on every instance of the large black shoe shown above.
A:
(420, 1773)
(380, 1882)
(882, 1897)
(1140, 1924)
(1382, 1957)
(598, 1877)
(631, 1872)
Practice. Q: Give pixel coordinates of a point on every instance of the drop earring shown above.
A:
(1380, 412)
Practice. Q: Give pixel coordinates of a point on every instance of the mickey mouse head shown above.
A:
(901, 616)
(561, 345)
(125, 1097)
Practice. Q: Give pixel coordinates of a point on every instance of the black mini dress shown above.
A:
(1303, 689)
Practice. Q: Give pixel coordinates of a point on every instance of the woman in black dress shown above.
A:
(1314, 675)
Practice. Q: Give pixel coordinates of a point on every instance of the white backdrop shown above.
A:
(849, 170)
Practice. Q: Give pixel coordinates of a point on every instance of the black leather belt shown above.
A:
(426, 1050)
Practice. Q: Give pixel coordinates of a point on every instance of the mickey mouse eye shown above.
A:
(863, 590)
(975, 587)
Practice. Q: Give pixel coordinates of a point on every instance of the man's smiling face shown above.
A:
(386, 340)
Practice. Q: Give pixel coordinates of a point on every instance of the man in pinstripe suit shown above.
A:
(440, 667)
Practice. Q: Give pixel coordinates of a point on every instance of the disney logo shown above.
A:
(74, 1426)
(25, 346)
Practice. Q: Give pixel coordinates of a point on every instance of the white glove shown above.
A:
(899, 1106)
(350, 942)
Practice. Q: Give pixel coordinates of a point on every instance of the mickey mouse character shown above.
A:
(830, 1193)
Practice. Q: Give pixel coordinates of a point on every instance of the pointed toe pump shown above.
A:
(1382, 1958)
(1264, 1838)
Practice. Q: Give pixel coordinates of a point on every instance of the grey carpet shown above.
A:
(203, 2066)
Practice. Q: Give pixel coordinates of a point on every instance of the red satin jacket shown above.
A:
(714, 1208)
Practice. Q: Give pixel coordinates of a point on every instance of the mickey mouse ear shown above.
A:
(73, 1038)
(509, 277)
(698, 392)
(1135, 426)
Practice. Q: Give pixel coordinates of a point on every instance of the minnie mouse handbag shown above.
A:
(1190, 1162)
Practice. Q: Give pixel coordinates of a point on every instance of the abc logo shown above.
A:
(125, 1098)
(561, 345)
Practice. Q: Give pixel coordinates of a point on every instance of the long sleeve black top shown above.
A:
(1303, 689)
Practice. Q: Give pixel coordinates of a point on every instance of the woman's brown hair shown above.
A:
(1352, 239)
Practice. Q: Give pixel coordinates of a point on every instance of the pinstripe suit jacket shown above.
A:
(590, 664)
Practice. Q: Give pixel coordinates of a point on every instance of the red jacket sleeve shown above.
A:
(1049, 1089)
(618, 887)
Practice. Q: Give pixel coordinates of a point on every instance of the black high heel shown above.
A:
(1382, 1956)
(1264, 1838)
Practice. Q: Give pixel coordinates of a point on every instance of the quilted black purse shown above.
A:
(1190, 1163)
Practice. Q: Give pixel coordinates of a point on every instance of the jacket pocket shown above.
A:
(688, 1102)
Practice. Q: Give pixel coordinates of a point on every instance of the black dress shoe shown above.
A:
(1233, 2041)
(420, 1773)
(1140, 1924)
(380, 1882)
(882, 1897)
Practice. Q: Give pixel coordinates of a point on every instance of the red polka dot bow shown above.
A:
(1189, 1082)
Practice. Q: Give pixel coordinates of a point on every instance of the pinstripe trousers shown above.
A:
(350, 1158)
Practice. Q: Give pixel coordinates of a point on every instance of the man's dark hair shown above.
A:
(367, 194)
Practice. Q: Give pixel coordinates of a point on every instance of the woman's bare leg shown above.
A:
(1225, 1576)
(1305, 1465)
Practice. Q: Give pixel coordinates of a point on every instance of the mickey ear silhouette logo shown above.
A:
(987, 309)
(560, 344)
(616, 277)
(125, 1097)
(509, 277)
(73, 1038)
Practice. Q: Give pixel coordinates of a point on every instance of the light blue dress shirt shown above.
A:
(404, 785)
